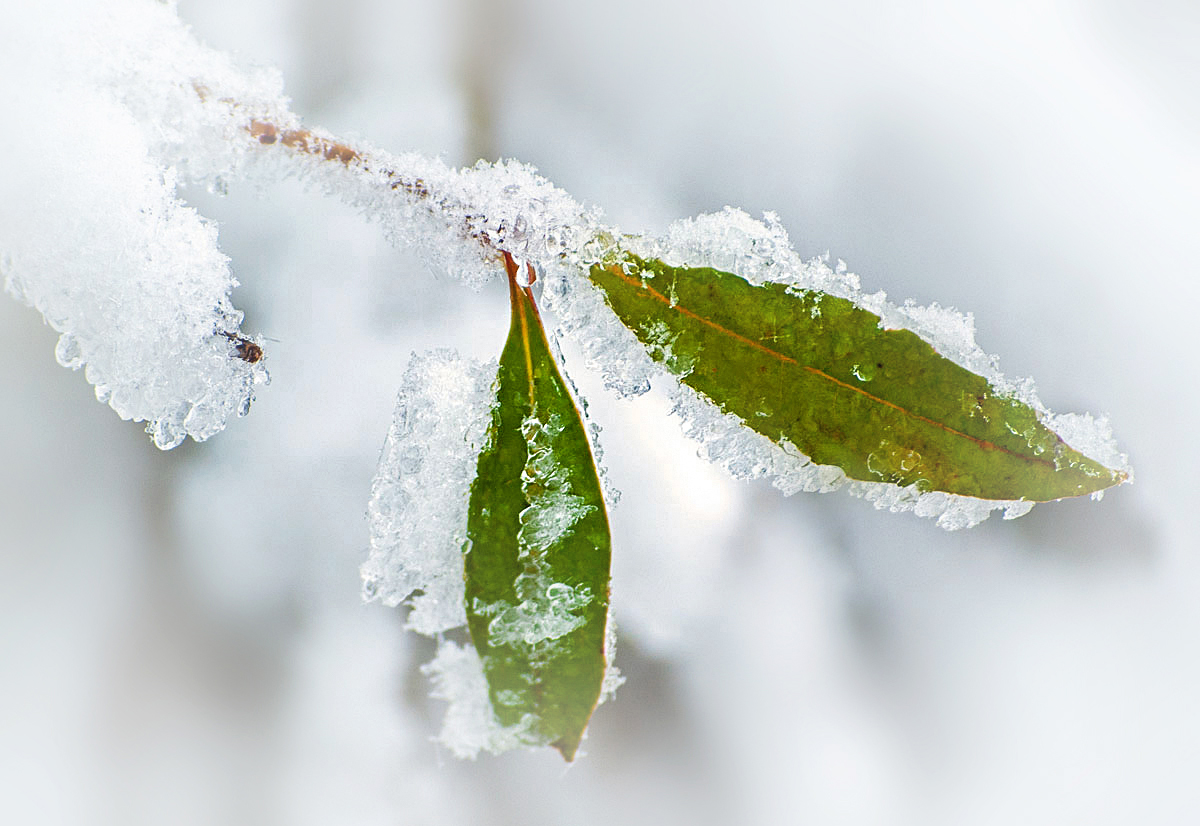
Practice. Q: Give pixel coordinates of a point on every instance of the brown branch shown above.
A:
(306, 142)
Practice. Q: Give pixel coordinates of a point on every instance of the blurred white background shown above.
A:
(181, 635)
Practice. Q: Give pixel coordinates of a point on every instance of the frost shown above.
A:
(105, 249)
(418, 507)
(613, 679)
(215, 121)
(610, 492)
(760, 252)
(606, 343)
(135, 281)
(553, 509)
(469, 726)
(546, 610)
(456, 218)
(548, 519)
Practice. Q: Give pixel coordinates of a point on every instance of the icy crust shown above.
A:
(1093, 437)
(544, 614)
(760, 252)
(610, 492)
(418, 507)
(213, 119)
(134, 277)
(469, 726)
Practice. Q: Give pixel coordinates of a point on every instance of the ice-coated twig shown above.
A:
(505, 207)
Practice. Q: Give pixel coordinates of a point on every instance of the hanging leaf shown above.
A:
(817, 371)
(537, 556)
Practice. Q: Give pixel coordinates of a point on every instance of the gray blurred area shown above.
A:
(181, 634)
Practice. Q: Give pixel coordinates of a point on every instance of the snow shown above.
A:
(457, 218)
(553, 510)
(95, 237)
(469, 727)
(547, 609)
(133, 278)
(184, 110)
(418, 507)
(1092, 436)
(546, 615)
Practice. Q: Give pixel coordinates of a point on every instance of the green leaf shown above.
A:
(817, 371)
(537, 556)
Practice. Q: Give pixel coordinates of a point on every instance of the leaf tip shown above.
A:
(568, 746)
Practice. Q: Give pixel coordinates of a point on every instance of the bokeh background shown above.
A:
(181, 635)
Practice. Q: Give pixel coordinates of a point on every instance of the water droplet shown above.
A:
(370, 588)
(863, 372)
(559, 591)
(166, 433)
(68, 352)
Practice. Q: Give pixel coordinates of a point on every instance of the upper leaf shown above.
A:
(537, 557)
(816, 371)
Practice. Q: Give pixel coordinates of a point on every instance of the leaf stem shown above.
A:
(518, 305)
